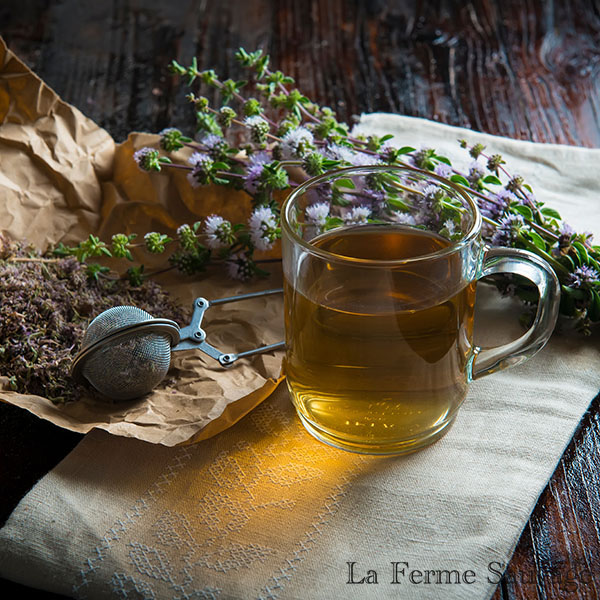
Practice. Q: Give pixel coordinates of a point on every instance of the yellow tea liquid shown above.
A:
(376, 357)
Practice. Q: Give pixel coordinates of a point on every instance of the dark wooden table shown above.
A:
(519, 68)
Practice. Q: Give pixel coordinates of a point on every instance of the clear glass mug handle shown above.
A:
(539, 272)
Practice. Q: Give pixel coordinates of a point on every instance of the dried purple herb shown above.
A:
(45, 307)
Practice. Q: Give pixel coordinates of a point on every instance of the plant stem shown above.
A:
(18, 259)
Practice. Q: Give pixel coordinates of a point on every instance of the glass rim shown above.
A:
(456, 246)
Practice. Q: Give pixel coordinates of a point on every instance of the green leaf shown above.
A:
(492, 179)
(594, 308)
(387, 137)
(345, 183)
(460, 179)
(397, 203)
(570, 262)
(444, 160)
(329, 163)
(406, 150)
(537, 240)
(523, 210)
(581, 250)
(576, 293)
(332, 223)
(550, 212)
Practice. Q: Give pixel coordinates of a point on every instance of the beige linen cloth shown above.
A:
(263, 510)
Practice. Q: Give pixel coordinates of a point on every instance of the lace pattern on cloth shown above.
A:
(252, 501)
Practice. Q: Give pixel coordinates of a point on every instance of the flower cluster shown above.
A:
(254, 142)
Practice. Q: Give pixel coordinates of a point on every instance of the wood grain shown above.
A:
(520, 68)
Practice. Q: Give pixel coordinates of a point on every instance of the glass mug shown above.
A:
(380, 268)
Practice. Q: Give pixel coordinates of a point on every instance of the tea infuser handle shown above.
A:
(539, 272)
(228, 359)
(194, 337)
(246, 296)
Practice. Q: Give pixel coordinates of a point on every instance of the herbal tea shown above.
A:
(376, 358)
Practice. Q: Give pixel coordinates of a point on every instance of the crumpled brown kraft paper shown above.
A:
(63, 177)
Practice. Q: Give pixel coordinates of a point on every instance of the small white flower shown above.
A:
(217, 230)
(259, 128)
(317, 213)
(263, 228)
(147, 159)
(403, 218)
(192, 180)
(168, 130)
(202, 165)
(358, 215)
(343, 153)
(296, 142)
(255, 121)
(263, 215)
(199, 157)
(450, 227)
(360, 159)
(431, 190)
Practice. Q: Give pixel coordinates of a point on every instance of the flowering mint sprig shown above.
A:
(265, 127)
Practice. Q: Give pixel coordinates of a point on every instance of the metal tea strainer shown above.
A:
(126, 352)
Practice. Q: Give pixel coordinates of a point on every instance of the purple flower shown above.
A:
(507, 230)
(170, 139)
(202, 167)
(428, 204)
(443, 170)
(497, 204)
(476, 172)
(215, 145)
(583, 275)
(388, 153)
(239, 267)
(378, 199)
(254, 171)
(147, 159)
(566, 229)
